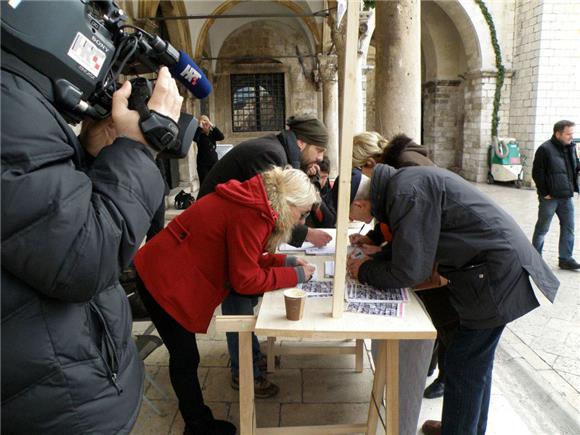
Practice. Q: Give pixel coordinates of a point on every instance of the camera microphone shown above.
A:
(191, 76)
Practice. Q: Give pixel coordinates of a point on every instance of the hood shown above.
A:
(415, 154)
(250, 193)
(288, 140)
(379, 184)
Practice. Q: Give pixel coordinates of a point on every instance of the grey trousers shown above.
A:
(414, 359)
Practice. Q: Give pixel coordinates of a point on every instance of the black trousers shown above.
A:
(183, 364)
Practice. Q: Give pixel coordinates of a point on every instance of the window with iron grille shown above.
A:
(257, 102)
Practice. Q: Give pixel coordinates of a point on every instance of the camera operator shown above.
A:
(74, 211)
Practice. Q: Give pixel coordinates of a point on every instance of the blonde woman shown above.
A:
(206, 137)
(225, 241)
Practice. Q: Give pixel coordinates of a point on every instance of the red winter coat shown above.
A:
(217, 242)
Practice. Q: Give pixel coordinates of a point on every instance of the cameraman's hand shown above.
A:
(164, 100)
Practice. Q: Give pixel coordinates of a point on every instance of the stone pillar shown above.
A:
(329, 77)
(398, 68)
(366, 29)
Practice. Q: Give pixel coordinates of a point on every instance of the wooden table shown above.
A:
(319, 323)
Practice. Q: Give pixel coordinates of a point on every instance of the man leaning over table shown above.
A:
(437, 217)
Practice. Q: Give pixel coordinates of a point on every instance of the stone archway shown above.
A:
(228, 5)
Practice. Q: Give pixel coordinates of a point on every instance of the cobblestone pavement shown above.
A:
(536, 386)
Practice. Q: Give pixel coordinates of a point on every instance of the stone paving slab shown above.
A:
(302, 414)
(336, 386)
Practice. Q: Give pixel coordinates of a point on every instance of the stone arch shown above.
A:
(269, 38)
(472, 28)
(224, 7)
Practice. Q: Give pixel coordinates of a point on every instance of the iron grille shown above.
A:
(258, 102)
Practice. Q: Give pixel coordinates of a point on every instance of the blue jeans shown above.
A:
(468, 370)
(564, 208)
(236, 304)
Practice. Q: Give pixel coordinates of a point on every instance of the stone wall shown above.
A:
(546, 84)
(443, 121)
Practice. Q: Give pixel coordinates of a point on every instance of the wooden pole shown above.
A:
(347, 130)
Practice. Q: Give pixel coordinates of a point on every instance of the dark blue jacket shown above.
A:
(438, 217)
(69, 364)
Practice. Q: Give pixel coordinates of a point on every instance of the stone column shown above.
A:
(398, 68)
(329, 77)
(366, 29)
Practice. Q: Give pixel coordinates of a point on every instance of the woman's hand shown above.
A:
(309, 271)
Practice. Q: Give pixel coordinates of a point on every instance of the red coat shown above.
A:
(216, 242)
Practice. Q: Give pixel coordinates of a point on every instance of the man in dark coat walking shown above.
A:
(555, 172)
(73, 214)
(437, 217)
(300, 145)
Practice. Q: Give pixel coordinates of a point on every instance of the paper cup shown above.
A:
(294, 299)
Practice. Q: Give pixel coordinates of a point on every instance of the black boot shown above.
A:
(436, 389)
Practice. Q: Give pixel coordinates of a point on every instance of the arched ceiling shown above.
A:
(210, 34)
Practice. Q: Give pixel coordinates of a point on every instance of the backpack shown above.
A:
(183, 200)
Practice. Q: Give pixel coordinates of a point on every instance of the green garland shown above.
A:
(498, 64)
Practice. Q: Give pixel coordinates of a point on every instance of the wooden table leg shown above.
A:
(271, 356)
(247, 404)
(378, 389)
(392, 382)
(359, 355)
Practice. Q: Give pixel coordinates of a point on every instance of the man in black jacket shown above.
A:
(555, 173)
(301, 145)
(73, 214)
(437, 217)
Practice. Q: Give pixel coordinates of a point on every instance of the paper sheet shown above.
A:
(391, 309)
(285, 247)
(329, 268)
(357, 292)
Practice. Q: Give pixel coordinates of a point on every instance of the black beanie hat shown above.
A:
(309, 129)
(355, 178)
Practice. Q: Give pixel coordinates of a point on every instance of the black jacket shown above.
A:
(206, 144)
(556, 169)
(69, 364)
(436, 216)
(252, 157)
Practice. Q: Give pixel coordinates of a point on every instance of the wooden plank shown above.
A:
(336, 429)
(235, 323)
(247, 405)
(315, 350)
(378, 389)
(347, 131)
(359, 355)
(392, 382)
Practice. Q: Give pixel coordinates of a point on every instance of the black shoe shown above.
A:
(213, 427)
(263, 388)
(569, 264)
(435, 390)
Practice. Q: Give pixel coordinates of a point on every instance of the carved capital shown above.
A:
(328, 67)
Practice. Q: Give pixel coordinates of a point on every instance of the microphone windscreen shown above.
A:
(191, 76)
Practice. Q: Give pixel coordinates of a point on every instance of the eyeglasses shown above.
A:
(304, 215)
